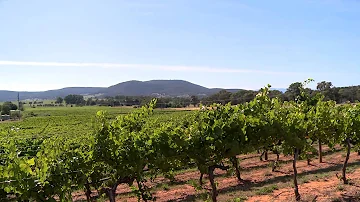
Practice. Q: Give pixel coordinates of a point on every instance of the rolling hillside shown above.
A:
(130, 88)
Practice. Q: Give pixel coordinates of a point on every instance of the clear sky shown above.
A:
(216, 43)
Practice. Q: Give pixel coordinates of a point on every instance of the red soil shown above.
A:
(257, 173)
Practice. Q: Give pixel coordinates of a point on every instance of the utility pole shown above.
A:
(19, 105)
(19, 100)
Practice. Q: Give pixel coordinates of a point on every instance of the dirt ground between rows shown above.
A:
(329, 189)
(257, 175)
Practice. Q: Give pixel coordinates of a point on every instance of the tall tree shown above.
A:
(328, 90)
(194, 100)
(222, 97)
(90, 102)
(59, 100)
(324, 85)
(243, 96)
(294, 91)
(7, 106)
(275, 93)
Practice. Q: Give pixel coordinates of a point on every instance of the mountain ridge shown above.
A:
(128, 88)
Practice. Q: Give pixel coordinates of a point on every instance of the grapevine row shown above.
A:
(136, 148)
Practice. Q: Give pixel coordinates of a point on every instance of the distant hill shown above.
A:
(50, 94)
(163, 87)
(130, 88)
(279, 89)
(73, 90)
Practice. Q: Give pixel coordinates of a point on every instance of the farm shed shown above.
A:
(15, 114)
(4, 117)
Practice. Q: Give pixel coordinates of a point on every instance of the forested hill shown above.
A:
(160, 87)
(128, 88)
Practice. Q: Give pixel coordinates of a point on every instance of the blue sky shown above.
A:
(216, 43)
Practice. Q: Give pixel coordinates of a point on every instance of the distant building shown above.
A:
(4, 117)
(15, 114)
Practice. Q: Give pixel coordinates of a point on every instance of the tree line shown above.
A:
(338, 94)
(6, 107)
(120, 100)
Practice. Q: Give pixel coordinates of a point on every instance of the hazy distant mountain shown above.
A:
(279, 89)
(50, 94)
(165, 87)
(73, 90)
(134, 88)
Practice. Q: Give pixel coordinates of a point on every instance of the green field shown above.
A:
(57, 121)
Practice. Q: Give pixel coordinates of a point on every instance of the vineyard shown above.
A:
(53, 154)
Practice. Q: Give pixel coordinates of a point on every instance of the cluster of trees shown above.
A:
(74, 99)
(120, 100)
(117, 101)
(164, 102)
(59, 100)
(6, 107)
(330, 92)
(69, 99)
(36, 102)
